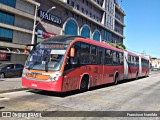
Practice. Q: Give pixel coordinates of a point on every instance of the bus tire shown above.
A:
(2, 75)
(84, 83)
(146, 74)
(116, 79)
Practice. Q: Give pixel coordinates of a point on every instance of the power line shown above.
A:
(142, 52)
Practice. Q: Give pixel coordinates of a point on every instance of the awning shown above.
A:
(2, 52)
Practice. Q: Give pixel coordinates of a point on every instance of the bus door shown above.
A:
(125, 65)
(72, 69)
(140, 66)
(93, 67)
(100, 66)
(108, 67)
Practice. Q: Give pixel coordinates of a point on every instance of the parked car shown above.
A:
(10, 69)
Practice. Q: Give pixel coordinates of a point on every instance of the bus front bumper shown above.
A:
(55, 86)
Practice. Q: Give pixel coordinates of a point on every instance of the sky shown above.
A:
(142, 29)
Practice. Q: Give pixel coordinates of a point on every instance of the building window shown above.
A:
(85, 32)
(81, 20)
(72, 4)
(87, 3)
(90, 14)
(98, 1)
(86, 12)
(94, 16)
(77, 7)
(66, 12)
(67, 1)
(6, 18)
(77, 17)
(71, 28)
(97, 19)
(6, 35)
(11, 3)
(83, 10)
(104, 36)
(96, 36)
(72, 14)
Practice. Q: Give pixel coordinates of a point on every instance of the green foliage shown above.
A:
(118, 45)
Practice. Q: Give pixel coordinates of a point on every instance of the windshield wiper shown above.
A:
(32, 65)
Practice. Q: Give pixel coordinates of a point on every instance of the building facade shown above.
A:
(101, 20)
(16, 26)
(155, 63)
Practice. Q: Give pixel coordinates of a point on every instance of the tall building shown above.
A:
(101, 20)
(16, 26)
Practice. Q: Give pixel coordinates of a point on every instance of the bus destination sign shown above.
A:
(53, 46)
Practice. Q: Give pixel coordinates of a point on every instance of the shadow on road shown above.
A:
(70, 93)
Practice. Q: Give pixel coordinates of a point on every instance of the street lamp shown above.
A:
(35, 25)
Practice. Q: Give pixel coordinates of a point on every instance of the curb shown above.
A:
(13, 90)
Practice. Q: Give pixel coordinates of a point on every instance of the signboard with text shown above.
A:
(2, 55)
(49, 17)
(43, 35)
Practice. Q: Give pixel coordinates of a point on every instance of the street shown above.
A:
(132, 95)
(10, 85)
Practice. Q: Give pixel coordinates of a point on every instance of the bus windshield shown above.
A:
(46, 55)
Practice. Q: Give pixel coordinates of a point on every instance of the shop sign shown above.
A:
(2, 55)
(43, 35)
(50, 17)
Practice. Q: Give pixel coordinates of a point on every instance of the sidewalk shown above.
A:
(11, 85)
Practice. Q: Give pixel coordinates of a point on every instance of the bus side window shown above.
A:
(108, 57)
(137, 61)
(100, 55)
(85, 53)
(114, 57)
(76, 58)
(129, 60)
(121, 59)
(93, 55)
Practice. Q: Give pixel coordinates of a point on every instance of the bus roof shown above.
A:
(132, 54)
(94, 42)
(65, 39)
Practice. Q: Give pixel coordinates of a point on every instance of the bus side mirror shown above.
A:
(25, 49)
(72, 52)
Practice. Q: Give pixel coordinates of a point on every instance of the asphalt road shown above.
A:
(131, 95)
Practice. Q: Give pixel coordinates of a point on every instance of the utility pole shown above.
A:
(35, 25)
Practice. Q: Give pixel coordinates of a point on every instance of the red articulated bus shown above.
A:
(65, 63)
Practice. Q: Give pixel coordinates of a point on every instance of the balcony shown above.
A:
(119, 22)
(96, 5)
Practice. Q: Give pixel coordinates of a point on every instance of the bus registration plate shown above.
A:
(32, 75)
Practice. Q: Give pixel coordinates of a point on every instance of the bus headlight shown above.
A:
(24, 73)
(55, 76)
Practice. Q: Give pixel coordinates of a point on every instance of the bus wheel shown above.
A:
(146, 74)
(116, 79)
(2, 75)
(84, 84)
